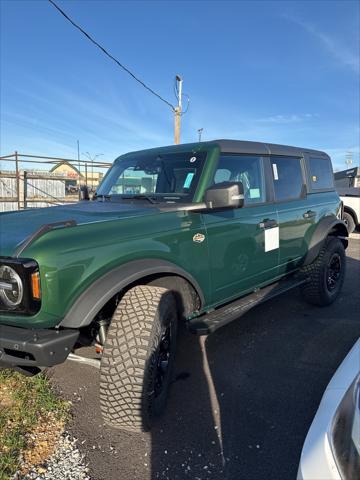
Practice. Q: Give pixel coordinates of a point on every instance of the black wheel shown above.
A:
(326, 274)
(350, 223)
(137, 363)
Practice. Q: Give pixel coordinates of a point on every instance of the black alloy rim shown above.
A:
(333, 272)
(163, 360)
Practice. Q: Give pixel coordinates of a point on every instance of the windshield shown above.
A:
(169, 177)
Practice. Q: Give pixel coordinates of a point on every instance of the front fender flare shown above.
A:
(330, 225)
(90, 302)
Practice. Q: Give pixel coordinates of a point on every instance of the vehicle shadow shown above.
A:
(246, 395)
(184, 440)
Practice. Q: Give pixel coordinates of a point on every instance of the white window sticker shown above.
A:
(275, 170)
(271, 239)
(192, 159)
(255, 193)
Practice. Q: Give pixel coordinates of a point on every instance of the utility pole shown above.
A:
(178, 110)
(200, 131)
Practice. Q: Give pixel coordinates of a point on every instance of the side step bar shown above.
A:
(215, 319)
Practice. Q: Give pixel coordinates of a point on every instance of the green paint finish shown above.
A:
(238, 260)
(229, 263)
(296, 230)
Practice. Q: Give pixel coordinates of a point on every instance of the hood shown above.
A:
(15, 227)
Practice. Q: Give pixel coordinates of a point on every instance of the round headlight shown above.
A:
(11, 287)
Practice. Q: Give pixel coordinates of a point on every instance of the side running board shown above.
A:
(209, 322)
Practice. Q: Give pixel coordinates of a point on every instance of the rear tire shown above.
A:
(137, 363)
(350, 222)
(326, 274)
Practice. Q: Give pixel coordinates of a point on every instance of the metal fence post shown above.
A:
(17, 179)
(25, 189)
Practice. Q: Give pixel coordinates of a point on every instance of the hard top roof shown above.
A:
(241, 146)
(236, 146)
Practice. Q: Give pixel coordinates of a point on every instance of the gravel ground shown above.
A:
(67, 463)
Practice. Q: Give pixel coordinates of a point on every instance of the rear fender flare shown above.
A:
(330, 225)
(91, 301)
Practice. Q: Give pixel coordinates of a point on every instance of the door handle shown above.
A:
(268, 223)
(309, 214)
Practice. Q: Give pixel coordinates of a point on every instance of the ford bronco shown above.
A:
(196, 233)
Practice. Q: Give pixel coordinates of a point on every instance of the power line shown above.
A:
(111, 56)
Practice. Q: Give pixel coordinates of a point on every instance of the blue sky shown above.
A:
(282, 72)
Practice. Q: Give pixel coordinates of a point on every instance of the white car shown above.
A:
(351, 200)
(332, 447)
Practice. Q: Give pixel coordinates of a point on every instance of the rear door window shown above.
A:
(288, 178)
(321, 173)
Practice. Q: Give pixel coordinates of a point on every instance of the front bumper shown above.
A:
(21, 347)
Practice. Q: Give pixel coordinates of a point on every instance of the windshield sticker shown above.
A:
(275, 170)
(188, 180)
(271, 239)
(314, 178)
(193, 159)
(255, 193)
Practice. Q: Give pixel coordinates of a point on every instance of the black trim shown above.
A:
(24, 267)
(322, 231)
(21, 347)
(210, 322)
(40, 232)
(237, 146)
(90, 302)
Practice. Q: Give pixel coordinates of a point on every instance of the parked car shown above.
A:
(213, 229)
(351, 200)
(332, 447)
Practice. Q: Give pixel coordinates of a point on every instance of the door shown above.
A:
(295, 214)
(242, 242)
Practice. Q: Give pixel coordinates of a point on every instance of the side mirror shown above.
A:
(225, 195)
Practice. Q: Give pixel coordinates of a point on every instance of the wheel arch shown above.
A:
(328, 226)
(119, 280)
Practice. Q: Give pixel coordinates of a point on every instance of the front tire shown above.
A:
(137, 363)
(326, 274)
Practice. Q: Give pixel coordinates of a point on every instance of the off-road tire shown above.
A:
(129, 374)
(350, 222)
(316, 291)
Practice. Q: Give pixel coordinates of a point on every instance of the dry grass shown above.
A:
(31, 420)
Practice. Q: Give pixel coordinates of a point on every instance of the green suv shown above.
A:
(196, 233)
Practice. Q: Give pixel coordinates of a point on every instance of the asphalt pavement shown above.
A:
(242, 400)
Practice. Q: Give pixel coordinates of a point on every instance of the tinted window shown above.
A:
(288, 178)
(245, 169)
(321, 174)
(163, 175)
